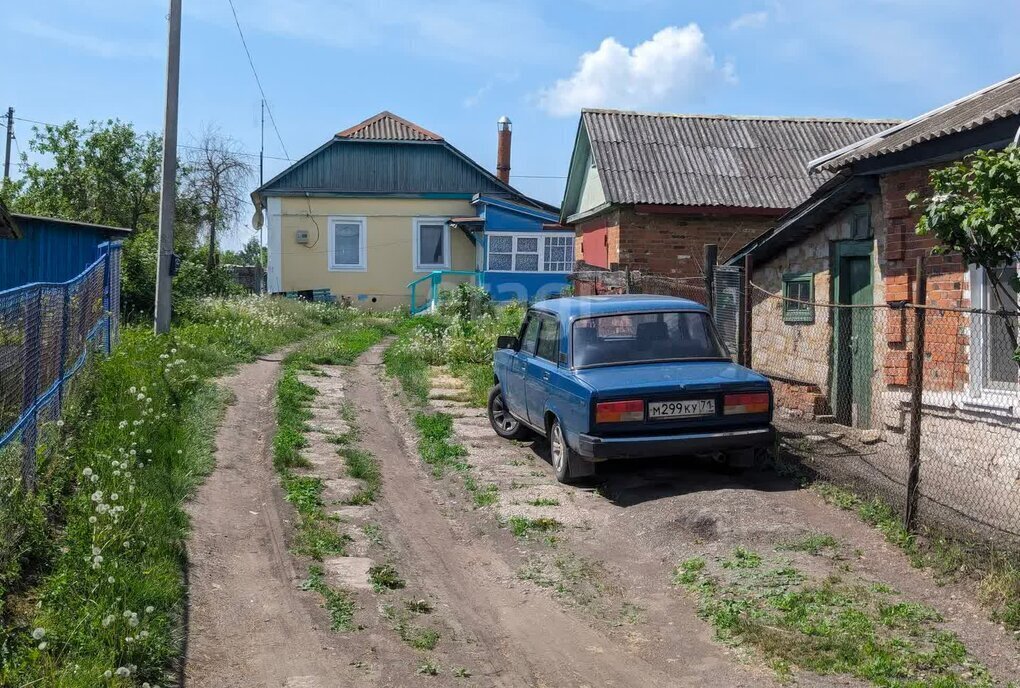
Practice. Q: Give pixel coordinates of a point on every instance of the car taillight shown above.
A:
(619, 411)
(757, 402)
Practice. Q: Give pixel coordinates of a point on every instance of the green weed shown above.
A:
(812, 544)
(385, 577)
(522, 526)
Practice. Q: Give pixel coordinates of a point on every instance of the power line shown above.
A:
(258, 81)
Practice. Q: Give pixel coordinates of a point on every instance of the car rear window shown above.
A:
(644, 337)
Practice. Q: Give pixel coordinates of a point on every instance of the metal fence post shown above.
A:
(65, 323)
(30, 389)
(916, 389)
(711, 255)
(745, 351)
(107, 294)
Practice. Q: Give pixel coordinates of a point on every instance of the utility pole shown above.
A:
(168, 189)
(262, 150)
(10, 137)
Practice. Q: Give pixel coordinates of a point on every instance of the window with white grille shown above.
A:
(509, 252)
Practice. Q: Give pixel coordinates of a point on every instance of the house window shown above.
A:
(431, 244)
(992, 354)
(347, 244)
(559, 254)
(530, 252)
(798, 291)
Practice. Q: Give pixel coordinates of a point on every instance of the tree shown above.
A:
(217, 177)
(107, 173)
(974, 210)
(252, 253)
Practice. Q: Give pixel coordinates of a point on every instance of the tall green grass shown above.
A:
(91, 582)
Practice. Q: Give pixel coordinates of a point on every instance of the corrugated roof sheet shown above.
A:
(987, 105)
(388, 127)
(714, 160)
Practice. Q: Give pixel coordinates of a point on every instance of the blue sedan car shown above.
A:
(606, 377)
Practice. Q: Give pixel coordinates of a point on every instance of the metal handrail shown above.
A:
(435, 279)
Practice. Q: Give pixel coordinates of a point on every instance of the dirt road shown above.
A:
(248, 622)
(592, 606)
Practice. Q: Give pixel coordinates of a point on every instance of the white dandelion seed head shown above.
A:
(38, 634)
(87, 472)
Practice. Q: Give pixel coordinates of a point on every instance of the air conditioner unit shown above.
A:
(301, 236)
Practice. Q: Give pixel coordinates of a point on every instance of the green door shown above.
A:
(861, 341)
(853, 335)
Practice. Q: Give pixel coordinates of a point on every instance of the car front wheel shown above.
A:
(503, 423)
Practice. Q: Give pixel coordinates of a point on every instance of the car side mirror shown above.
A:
(507, 341)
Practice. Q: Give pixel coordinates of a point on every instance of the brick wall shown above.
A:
(674, 245)
(946, 333)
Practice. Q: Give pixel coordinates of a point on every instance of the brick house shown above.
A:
(647, 191)
(853, 242)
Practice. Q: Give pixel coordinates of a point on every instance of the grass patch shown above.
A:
(364, 467)
(813, 544)
(339, 603)
(151, 408)
(478, 377)
(995, 572)
(424, 639)
(522, 526)
(483, 496)
(829, 627)
(544, 501)
(435, 448)
(743, 559)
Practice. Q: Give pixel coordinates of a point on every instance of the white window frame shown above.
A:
(541, 236)
(984, 393)
(416, 243)
(362, 222)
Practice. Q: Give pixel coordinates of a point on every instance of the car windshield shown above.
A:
(644, 337)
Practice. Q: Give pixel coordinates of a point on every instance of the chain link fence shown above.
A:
(918, 405)
(607, 282)
(46, 333)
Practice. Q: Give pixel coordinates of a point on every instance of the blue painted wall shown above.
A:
(49, 251)
(522, 286)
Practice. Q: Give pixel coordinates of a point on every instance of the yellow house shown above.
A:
(370, 211)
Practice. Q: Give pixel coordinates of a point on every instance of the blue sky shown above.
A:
(455, 66)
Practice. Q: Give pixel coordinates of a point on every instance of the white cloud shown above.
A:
(87, 43)
(751, 20)
(675, 63)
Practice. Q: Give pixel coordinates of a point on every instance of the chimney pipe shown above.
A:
(504, 128)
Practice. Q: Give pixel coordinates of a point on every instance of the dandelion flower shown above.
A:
(38, 634)
(87, 472)
(43, 645)
(60, 423)
(150, 609)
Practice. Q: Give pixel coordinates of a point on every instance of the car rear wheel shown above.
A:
(503, 423)
(561, 454)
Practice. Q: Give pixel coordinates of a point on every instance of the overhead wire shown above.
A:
(258, 81)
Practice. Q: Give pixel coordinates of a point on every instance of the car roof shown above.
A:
(572, 307)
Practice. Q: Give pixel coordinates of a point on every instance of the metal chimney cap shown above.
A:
(504, 122)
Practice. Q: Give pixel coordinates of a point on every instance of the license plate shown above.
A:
(681, 409)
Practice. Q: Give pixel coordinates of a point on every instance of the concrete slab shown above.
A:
(348, 572)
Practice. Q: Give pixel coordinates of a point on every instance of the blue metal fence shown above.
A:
(46, 333)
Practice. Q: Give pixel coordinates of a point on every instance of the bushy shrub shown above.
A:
(467, 301)
(442, 339)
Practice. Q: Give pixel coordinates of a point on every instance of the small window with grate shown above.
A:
(798, 293)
